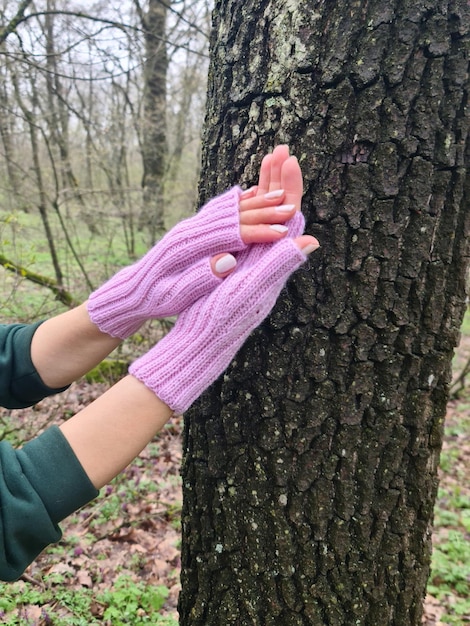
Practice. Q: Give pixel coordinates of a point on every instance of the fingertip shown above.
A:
(263, 233)
(249, 193)
(292, 182)
(223, 264)
(279, 228)
(281, 151)
(307, 244)
(264, 175)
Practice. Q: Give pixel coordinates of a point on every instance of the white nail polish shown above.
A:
(310, 248)
(246, 193)
(279, 228)
(285, 208)
(225, 263)
(271, 195)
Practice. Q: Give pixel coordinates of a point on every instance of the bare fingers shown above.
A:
(223, 264)
(307, 244)
(278, 214)
(262, 233)
(264, 175)
(262, 218)
(249, 203)
(279, 171)
(270, 170)
(292, 182)
(279, 156)
(266, 207)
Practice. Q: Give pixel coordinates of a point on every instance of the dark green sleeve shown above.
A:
(20, 384)
(40, 485)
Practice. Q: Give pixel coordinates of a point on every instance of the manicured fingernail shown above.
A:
(311, 247)
(247, 193)
(225, 263)
(274, 194)
(279, 228)
(285, 208)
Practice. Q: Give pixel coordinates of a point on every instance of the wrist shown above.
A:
(65, 347)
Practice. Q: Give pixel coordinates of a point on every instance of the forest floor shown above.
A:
(128, 540)
(450, 578)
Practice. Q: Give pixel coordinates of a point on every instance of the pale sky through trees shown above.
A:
(72, 104)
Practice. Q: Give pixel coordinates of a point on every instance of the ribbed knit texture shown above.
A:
(207, 335)
(173, 274)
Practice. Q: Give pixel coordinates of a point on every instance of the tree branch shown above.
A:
(79, 14)
(61, 294)
(19, 17)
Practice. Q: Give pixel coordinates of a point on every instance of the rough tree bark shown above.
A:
(310, 467)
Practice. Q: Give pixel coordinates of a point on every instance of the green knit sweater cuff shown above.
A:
(56, 474)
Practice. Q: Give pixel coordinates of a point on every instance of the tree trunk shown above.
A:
(42, 203)
(154, 143)
(310, 467)
(58, 122)
(14, 198)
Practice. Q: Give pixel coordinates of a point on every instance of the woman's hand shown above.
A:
(280, 182)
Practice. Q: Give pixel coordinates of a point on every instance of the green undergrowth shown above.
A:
(450, 577)
(449, 582)
(128, 602)
(108, 371)
(23, 242)
(93, 576)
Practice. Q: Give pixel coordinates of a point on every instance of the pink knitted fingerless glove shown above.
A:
(173, 274)
(207, 336)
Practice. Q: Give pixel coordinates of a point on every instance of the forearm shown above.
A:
(67, 346)
(58, 472)
(111, 431)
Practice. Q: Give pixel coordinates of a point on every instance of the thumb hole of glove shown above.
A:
(223, 264)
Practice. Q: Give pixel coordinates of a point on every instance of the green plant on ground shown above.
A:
(134, 603)
(108, 371)
(17, 599)
(450, 572)
(450, 577)
(128, 602)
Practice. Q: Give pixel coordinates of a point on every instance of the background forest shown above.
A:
(101, 109)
